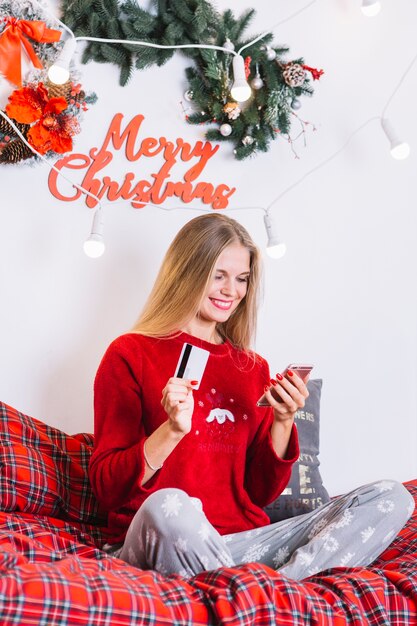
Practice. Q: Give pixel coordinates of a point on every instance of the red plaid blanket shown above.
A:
(51, 572)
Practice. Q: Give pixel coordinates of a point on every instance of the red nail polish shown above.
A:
(290, 373)
(273, 382)
(266, 387)
(193, 382)
(279, 376)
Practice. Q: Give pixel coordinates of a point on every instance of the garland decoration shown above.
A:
(277, 84)
(47, 115)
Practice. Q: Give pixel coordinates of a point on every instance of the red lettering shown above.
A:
(73, 161)
(220, 198)
(130, 135)
(140, 192)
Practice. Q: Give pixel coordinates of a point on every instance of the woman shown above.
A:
(185, 472)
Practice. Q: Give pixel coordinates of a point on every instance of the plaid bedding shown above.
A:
(53, 572)
(43, 470)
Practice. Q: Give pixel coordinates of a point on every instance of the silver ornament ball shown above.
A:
(296, 104)
(225, 130)
(247, 140)
(257, 83)
(270, 54)
(188, 95)
(229, 45)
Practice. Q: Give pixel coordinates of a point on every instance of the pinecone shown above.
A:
(79, 97)
(59, 91)
(15, 151)
(294, 74)
(7, 129)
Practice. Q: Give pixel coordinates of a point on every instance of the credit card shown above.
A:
(192, 363)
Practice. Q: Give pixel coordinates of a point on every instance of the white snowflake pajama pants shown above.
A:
(171, 534)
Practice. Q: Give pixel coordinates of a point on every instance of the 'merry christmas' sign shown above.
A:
(142, 191)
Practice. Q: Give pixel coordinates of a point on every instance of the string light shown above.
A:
(275, 248)
(370, 8)
(59, 72)
(59, 65)
(94, 245)
(240, 90)
(399, 149)
(97, 228)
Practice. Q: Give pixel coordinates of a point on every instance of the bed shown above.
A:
(53, 570)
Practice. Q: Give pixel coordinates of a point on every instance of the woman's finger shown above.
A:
(292, 383)
(291, 398)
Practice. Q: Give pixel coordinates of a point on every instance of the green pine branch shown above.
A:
(173, 22)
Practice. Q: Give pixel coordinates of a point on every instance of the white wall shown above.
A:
(343, 297)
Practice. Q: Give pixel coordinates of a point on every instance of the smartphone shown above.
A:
(301, 369)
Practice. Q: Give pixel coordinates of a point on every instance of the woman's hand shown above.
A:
(178, 402)
(293, 393)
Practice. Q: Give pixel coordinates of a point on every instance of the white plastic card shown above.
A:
(192, 363)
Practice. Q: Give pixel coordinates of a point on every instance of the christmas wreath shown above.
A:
(45, 114)
(277, 84)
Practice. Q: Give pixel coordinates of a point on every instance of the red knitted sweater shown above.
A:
(227, 460)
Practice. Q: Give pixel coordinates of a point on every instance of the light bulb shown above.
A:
(94, 246)
(58, 75)
(399, 149)
(370, 7)
(277, 250)
(274, 247)
(240, 90)
(59, 72)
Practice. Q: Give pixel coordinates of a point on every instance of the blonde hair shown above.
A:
(185, 274)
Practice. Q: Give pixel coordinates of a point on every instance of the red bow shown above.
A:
(315, 73)
(14, 36)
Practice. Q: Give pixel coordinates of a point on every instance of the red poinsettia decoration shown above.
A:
(52, 130)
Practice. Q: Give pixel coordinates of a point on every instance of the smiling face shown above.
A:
(227, 287)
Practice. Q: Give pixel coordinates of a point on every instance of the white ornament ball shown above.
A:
(188, 95)
(296, 104)
(229, 45)
(257, 83)
(225, 130)
(270, 54)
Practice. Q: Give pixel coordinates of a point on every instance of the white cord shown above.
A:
(267, 32)
(156, 45)
(208, 46)
(163, 47)
(400, 82)
(54, 17)
(320, 165)
(53, 167)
